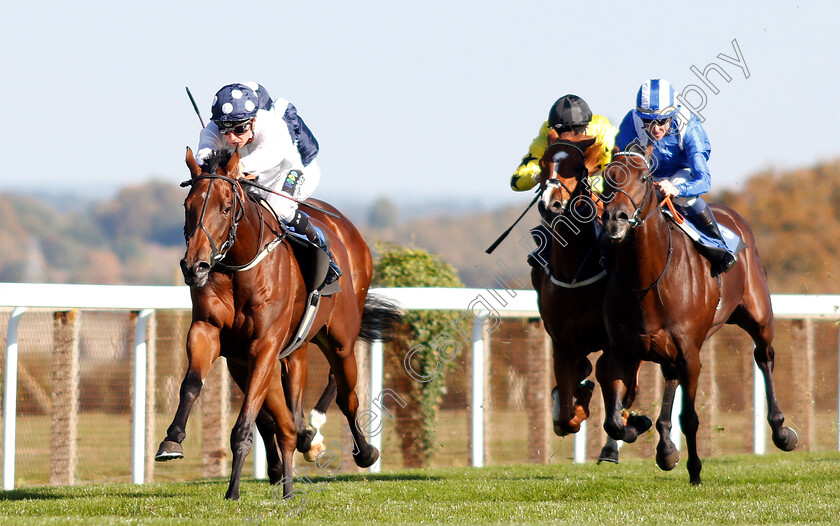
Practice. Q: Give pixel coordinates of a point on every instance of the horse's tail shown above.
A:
(380, 318)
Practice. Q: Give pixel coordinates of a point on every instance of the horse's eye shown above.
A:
(226, 210)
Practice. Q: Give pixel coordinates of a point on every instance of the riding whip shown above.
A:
(195, 107)
(506, 232)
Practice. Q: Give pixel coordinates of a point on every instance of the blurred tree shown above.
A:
(414, 267)
(384, 214)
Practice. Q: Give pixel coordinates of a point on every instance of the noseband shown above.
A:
(238, 212)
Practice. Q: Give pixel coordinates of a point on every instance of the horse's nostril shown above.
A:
(202, 268)
(622, 216)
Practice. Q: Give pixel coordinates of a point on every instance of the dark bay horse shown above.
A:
(247, 304)
(571, 284)
(662, 303)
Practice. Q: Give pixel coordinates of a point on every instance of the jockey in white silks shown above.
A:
(275, 148)
(680, 152)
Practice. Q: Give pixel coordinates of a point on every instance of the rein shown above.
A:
(217, 254)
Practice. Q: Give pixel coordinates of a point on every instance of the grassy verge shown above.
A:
(798, 488)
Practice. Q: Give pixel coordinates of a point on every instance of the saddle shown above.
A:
(314, 264)
(709, 247)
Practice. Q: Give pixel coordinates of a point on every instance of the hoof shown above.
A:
(232, 495)
(640, 423)
(366, 461)
(560, 430)
(169, 450)
(608, 454)
(315, 450)
(787, 439)
(667, 460)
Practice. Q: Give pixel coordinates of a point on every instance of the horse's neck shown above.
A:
(642, 261)
(573, 241)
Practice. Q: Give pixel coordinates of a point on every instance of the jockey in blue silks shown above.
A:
(680, 153)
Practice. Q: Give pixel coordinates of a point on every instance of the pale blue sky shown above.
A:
(411, 100)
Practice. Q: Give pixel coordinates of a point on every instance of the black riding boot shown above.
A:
(708, 225)
(302, 225)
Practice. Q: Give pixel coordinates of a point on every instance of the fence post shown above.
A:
(10, 399)
(708, 392)
(214, 415)
(65, 397)
(480, 362)
(537, 399)
(140, 424)
(377, 365)
(803, 383)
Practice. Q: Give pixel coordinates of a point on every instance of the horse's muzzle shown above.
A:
(616, 224)
(195, 274)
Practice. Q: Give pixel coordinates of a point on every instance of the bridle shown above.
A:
(636, 221)
(557, 183)
(217, 254)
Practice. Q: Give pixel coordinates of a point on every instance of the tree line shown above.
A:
(136, 237)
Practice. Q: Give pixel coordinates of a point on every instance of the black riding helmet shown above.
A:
(569, 110)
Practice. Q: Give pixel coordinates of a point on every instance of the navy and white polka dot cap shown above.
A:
(235, 102)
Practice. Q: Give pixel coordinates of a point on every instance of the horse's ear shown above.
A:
(232, 168)
(195, 169)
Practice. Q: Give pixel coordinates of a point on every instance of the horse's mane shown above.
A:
(216, 159)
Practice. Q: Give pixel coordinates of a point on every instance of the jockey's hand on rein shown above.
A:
(667, 188)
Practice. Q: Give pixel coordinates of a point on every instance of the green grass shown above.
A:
(795, 488)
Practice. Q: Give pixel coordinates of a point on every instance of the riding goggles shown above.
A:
(658, 122)
(234, 127)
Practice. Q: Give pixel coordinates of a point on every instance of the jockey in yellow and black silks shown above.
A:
(570, 112)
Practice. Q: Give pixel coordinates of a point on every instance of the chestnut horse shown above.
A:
(570, 285)
(248, 300)
(662, 303)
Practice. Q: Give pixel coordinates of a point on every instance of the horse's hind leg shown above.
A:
(761, 332)
(202, 350)
(294, 381)
(667, 454)
(343, 364)
(318, 417)
(689, 421)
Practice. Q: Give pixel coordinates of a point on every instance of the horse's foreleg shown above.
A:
(318, 417)
(667, 455)
(202, 350)
(242, 435)
(785, 438)
(618, 383)
(265, 424)
(570, 396)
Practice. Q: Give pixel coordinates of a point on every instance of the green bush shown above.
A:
(413, 267)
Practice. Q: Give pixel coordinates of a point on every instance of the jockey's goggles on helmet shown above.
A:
(237, 128)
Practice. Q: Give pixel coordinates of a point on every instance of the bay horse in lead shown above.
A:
(249, 294)
(662, 302)
(571, 283)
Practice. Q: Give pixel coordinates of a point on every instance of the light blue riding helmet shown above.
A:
(655, 100)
